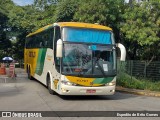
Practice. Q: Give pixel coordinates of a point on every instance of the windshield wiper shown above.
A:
(92, 69)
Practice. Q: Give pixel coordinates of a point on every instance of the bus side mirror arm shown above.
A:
(123, 51)
(59, 48)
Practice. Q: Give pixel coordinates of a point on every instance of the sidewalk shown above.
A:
(138, 92)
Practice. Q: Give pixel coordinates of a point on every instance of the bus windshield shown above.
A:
(90, 60)
(84, 35)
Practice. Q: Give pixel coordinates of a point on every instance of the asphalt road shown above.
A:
(26, 95)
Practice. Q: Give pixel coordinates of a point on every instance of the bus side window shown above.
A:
(40, 44)
(50, 40)
(57, 36)
(33, 42)
(46, 43)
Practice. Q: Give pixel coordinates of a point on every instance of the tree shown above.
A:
(135, 24)
(104, 12)
(3, 22)
(65, 10)
(141, 28)
(43, 4)
(26, 19)
(5, 43)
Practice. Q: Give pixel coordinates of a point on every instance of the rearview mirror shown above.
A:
(59, 48)
(123, 51)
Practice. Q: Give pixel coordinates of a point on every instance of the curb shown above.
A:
(138, 92)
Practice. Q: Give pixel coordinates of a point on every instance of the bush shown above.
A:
(126, 80)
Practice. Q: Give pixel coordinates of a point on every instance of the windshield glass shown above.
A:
(90, 60)
(84, 35)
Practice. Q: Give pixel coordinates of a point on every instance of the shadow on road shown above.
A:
(116, 96)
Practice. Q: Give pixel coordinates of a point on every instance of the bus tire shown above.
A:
(29, 74)
(49, 85)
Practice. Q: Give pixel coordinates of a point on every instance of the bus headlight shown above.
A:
(68, 83)
(111, 83)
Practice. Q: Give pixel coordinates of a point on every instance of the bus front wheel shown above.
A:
(49, 86)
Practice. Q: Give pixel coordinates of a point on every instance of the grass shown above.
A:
(127, 81)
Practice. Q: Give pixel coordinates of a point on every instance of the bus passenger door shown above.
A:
(56, 61)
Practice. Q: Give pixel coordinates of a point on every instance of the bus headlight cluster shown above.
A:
(111, 83)
(68, 83)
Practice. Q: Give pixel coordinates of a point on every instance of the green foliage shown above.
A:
(135, 24)
(91, 12)
(23, 18)
(104, 12)
(125, 80)
(43, 4)
(5, 43)
(66, 10)
(141, 23)
(18, 47)
(140, 28)
(100, 11)
(3, 20)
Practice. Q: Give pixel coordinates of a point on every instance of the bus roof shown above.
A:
(83, 25)
(72, 24)
(40, 30)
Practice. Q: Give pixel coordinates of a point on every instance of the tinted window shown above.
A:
(41, 40)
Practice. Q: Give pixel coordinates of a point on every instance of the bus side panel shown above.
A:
(25, 64)
(40, 61)
(44, 64)
(48, 67)
(31, 57)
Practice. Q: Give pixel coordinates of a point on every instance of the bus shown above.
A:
(73, 58)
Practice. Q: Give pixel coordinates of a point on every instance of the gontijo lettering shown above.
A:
(32, 54)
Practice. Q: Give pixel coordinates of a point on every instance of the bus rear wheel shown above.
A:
(49, 86)
(29, 74)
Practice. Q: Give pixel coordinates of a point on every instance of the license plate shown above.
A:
(90, 91)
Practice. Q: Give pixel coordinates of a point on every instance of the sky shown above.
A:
(23, 2)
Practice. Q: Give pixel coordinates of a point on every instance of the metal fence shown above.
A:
(140, 69)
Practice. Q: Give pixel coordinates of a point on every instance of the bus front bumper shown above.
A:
(80, 90)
